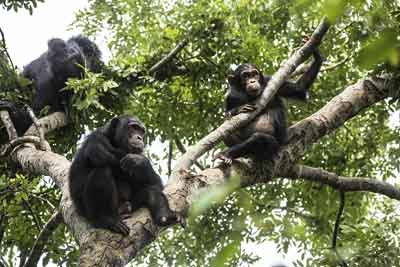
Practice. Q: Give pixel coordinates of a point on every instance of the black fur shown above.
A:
(109, 176)
(49, 72)
(262, 138)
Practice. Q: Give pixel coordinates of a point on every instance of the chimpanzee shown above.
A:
(263, 136)
(50, 72)
(110, 175)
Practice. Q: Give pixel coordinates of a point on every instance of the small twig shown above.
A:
(22, 257)
(334, 66)
(41, 199)
(42, 239)
(338, 219)
(342, 262)
(44, 145)
(33, 195)
(3, 223)
(170, 155)
(182, 149)
(305, 66)
(5, 118)
(5, 48)
(36, 220)
(169, 56)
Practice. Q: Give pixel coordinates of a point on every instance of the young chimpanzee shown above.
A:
(110, 175)
(50, 72)
(262, 138)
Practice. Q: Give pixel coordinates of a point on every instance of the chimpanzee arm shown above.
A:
(101, 152)
(233, 101)
(19, 116)
(299, 89)
(45, 91)
(140, 169)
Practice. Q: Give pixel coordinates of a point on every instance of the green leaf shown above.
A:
(226, 253)
(212, 196)
(334, 8)
(380, 49)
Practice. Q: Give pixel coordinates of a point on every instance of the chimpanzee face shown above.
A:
(127, 133)
(249, 79)
(75, 54)
(136, 132)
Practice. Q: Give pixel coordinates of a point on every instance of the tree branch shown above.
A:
(5, 48)
(182, 149)
(49, 123)
(169, 56)
(5, 118)
(44, 235)
(348, 184)
(25, 140)
(44, 145)
(305, 66)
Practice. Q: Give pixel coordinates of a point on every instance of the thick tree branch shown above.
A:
(182, 149)
(49, 123)
(42, 239)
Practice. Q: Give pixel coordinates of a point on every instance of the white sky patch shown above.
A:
(26, 35)
(394, 119)
(267, 252)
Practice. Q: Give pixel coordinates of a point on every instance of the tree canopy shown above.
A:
(181, 101)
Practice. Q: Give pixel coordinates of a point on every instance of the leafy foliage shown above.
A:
(186, 105)
(20, 4)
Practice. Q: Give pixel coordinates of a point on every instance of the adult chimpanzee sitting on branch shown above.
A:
(50, 72)
(263, 136)
(110, 175)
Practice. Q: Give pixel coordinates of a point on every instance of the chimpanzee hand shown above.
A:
(223, 156)
(247, 108)
(133, 162)
(316, 53)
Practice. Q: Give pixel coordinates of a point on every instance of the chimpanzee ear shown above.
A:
(111, 126)
(51, 43)
(114, 122)
(231, 79)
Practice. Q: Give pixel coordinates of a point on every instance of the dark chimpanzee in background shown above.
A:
(263, 136)
(109, 176)
(50, 72)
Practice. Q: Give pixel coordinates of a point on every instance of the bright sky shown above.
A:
(27, 35)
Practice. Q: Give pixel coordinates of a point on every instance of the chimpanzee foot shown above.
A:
(125, 216)
(224, 158)
(165, 220)
(181, 220)
(124, 209)
(121, 228)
